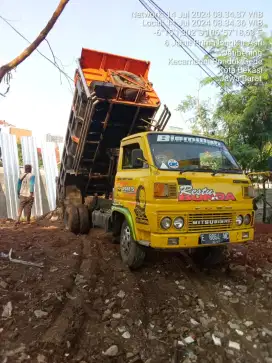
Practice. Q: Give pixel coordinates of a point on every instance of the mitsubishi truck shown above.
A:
(149, 188)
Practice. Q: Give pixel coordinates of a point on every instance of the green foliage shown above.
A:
(40, 160)
(202, 120)
(249, 60)
(243, 116)
(20, 154)
(210, 160)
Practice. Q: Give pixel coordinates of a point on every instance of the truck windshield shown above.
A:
(191, 153)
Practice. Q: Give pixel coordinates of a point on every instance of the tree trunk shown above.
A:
(264, 202)
(30, 49)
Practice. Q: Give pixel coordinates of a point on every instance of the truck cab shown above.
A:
(178, 191)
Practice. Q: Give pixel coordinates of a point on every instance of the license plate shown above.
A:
(214, 238)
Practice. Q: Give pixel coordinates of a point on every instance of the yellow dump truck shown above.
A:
(150, 188)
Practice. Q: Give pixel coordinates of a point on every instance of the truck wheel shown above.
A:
(209, 256)
(132, 254)
(84, 222)
(71, 219)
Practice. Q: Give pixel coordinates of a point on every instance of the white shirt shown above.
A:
(25, 187)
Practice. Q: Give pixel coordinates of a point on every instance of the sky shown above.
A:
(39, 100)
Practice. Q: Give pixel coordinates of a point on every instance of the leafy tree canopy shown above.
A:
(242, 116)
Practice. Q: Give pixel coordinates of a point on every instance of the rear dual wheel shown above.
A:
(76, 219)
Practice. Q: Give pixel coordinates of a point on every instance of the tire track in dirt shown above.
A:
(133, 316)
(64, 328)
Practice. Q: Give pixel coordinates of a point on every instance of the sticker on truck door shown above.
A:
(129, 190)
(188, 193)
(139, 210)
(123, 187)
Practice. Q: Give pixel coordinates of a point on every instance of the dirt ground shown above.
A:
(84, 306)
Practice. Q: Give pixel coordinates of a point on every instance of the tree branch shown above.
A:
(29, 50)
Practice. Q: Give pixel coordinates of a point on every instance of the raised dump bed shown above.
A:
(113, 98)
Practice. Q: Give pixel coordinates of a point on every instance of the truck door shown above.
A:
(131, 184)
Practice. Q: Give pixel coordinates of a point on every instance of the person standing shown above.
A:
(25, 189)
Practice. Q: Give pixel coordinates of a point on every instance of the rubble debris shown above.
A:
(121, 294)
(194, 322)
(234, 345)
(7, 310)
(228, 293)
(106, 314)
(248, 323)
(216, 340)
(14, 260)
(233, 325)
(3, 284)
(201, 304)
(116, 316)
(111, 351)
(189, 340)
(267, 331)
(40, 314)
(234, 300)
(70, 296)
(126, 335)
(41, 358)
(79, 280)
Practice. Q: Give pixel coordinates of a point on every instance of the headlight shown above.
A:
(166, 222)
(247, 219)
(178, 222)
(239, 220)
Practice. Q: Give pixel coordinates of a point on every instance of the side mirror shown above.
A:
(270, 163)
(136, 155)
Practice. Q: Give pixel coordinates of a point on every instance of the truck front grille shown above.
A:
(210, 222)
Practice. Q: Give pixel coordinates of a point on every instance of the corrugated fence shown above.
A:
(51, 172)
(10, 160)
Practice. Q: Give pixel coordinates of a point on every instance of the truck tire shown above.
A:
(209, 256)
(84, 222)
(132, 254)
(71, 219)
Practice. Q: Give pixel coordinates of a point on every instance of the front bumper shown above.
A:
(191, 240)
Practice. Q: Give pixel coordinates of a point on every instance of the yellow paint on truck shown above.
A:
(189, 187)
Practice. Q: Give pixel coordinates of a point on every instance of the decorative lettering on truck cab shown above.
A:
(189, 140)
(188, 193)
(128, 189)
(140, 206)
(124, 187)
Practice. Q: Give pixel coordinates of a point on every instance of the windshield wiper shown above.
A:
(201, 170)
(229, 171)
